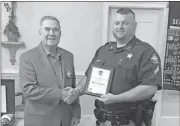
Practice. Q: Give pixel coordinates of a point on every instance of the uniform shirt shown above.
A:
(135, 64)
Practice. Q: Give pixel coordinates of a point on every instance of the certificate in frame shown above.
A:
(99, 80)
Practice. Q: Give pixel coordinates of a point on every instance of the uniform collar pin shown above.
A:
(129, 56)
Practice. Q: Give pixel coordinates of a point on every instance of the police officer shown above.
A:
(136, 78)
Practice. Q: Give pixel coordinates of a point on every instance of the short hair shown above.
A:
(124, 11)
(49, 18)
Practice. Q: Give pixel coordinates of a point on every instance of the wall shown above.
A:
(80, 22)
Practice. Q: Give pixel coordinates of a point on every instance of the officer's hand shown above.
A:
(107, 98)
(75, 121)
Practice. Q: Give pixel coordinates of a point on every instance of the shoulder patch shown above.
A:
(154, 59)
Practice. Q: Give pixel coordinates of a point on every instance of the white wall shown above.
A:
(80, 22)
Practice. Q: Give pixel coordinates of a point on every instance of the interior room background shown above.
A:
(81, 24)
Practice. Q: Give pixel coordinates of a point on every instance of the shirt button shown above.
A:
(56, 73)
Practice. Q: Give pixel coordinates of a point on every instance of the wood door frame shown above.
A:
(162, 34)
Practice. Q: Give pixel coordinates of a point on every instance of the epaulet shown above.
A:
(110, 43)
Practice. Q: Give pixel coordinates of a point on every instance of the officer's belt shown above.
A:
(118, 115)
(118, 118)
(118, 107)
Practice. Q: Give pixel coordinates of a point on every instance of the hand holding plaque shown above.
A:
(99, 80)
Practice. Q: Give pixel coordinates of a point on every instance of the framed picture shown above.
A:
(8, 96)
(99, 80)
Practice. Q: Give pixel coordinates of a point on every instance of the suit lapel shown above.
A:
(62, 60)
(44, 61)
(65, 62)
(65, 65)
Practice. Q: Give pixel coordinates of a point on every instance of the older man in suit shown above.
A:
(47, 77)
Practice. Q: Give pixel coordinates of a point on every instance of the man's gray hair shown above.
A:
(50, 18)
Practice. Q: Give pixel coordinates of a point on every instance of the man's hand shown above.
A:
(107, 98)
(72, 95)
(75, 121)
(72, 91)
(65, 94)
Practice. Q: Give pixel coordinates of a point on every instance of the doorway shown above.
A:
(151, 18)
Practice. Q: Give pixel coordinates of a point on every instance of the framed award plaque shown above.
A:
(99, 80)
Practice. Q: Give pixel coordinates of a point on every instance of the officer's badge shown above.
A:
(69, 73)
(129, 56)
(154, 59)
